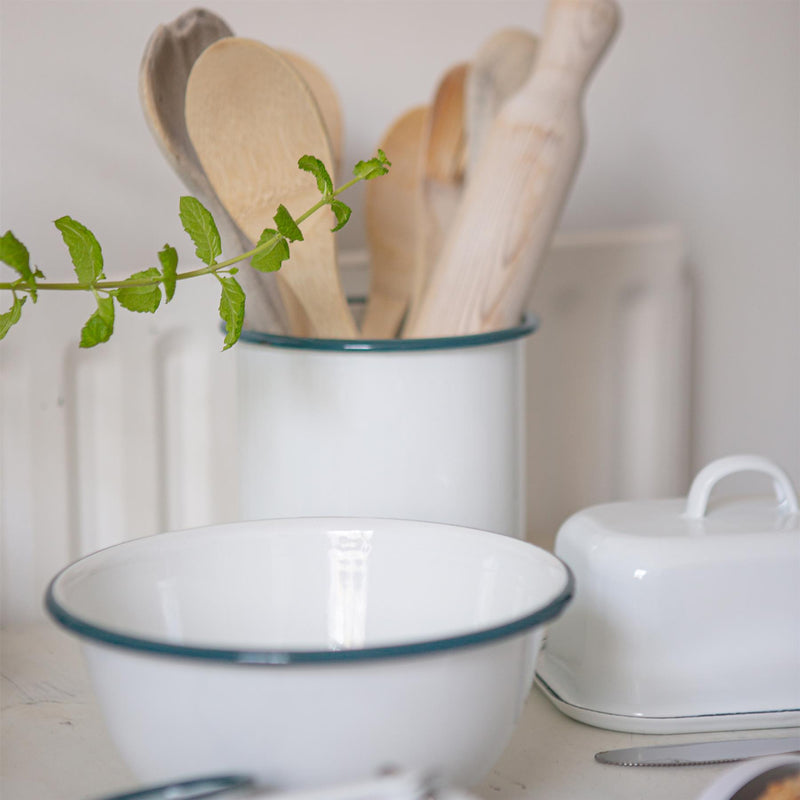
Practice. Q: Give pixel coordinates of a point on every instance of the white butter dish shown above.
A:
(686, 618)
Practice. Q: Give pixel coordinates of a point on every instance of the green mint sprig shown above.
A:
(144, 290)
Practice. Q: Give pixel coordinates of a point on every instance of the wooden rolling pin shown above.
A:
(514, 199)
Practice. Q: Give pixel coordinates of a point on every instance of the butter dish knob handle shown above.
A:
(711, 474)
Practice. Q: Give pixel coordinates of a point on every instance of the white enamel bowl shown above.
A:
(310, 651)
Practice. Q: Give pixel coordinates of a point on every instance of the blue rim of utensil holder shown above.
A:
(528, 324)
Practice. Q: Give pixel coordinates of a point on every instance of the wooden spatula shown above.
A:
(500, 67)
(250, 118)
(392, 213)
(167, 61)
(513, 201)
(443, 173)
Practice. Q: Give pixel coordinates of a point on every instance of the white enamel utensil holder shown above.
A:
(686, 614)
(427, 429)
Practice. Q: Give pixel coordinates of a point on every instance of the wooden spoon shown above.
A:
(500, 68)
(513, 201)
(443, 173)
(327, 99)
(163, 75)
(392, 212)
(250, 118)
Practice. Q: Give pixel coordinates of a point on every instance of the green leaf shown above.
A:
(11, 317)
(15, 254)
(342, 212)
(141, 298)
(199, 224)
(270, 260)
(286, 225)
(231, 310)
(318, 170)
(84, 249)
(373, 168)
(100, 325)
(168, 257)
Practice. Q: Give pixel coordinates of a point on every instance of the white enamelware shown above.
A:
(307, 652)
(687, 612)
(429, 429)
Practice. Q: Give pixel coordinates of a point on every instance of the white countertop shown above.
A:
(55, 746)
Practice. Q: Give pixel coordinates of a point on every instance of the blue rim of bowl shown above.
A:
(280, 657)
(193, 789)
(528, 324)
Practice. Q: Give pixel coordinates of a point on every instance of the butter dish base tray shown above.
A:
(701, 723)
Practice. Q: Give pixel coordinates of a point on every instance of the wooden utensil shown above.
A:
(392, 212)
(443, 174)
(163, 74)
(512, 203)
(500, 67)
(327, 99)
(250, 118)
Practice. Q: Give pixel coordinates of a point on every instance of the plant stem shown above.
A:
(106, 286)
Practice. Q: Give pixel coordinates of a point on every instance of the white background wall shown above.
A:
(694, 118)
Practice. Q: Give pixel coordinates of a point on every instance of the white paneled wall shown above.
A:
(608, 374)
(139, 435)
(98, 446)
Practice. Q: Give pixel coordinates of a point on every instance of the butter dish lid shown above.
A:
(686, 611)
(694, 516)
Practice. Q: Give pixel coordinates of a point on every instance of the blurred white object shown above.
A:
(312, 651)
(686, 616)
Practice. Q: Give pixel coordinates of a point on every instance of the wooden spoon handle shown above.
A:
(444, 155)
(513, 201)
(392, 214)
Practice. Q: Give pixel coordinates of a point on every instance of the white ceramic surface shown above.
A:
(686, 615)
(311, 651)
(413, 429)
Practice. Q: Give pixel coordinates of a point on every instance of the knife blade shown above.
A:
(679, 755)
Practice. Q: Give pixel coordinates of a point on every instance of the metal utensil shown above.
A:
(168, 58)
(681, 755)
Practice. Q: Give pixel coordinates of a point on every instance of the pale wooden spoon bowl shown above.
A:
(327, 98)
(163, 75)
(250, 118)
